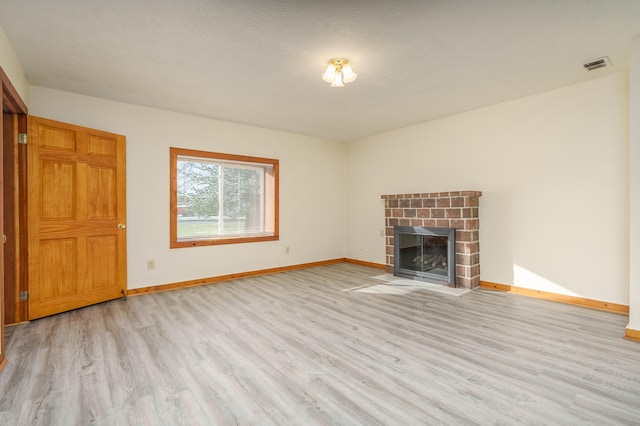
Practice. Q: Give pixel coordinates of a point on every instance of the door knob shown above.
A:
(121, 226)
(4, 238)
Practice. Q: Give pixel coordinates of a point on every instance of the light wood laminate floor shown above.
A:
(295, 349)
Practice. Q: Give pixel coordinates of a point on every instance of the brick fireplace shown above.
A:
(458, 210)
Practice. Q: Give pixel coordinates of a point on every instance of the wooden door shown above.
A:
(14, 217)
(76, 217)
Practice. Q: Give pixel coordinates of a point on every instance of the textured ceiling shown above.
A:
(259, 61)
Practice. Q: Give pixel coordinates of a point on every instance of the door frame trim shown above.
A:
(13, 104)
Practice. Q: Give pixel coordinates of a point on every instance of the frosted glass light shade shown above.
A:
(330, 74)
(347, 74)
(338, 81)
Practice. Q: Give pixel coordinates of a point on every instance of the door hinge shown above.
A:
(22, 138)
(24, 296)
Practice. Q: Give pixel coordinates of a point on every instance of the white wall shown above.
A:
(554, 176)
(12, 67)
(634, 187)
(312, 191)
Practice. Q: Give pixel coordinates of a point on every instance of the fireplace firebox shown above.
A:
(426, 254)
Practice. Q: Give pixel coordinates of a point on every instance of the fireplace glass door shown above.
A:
(425, 253)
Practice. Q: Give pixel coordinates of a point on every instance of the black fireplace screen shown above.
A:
(425, 253)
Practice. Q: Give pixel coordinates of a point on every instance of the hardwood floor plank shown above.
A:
(295, 348)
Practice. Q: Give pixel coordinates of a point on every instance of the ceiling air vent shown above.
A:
(597, 63)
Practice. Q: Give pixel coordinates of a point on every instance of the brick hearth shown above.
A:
(458, 209)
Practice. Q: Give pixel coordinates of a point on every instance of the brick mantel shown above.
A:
(457, 209)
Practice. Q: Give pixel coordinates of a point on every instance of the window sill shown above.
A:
(223, 240)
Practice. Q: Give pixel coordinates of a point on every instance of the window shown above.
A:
(222, 198)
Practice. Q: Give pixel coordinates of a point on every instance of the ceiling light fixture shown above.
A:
(339, 73)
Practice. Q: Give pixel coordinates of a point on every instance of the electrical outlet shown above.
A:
(151, 264)
(287, 250)
(382, 232)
